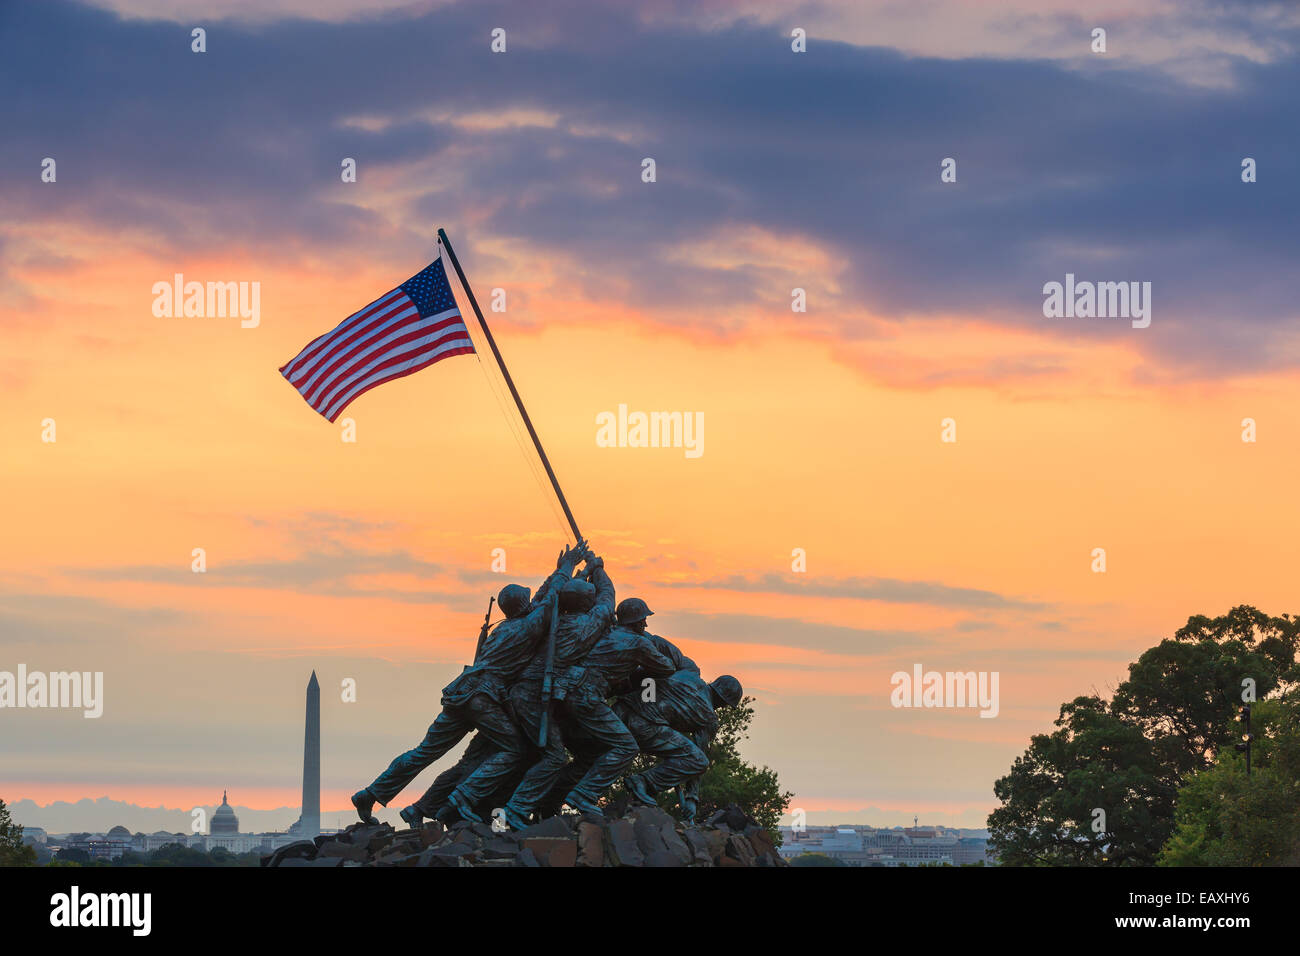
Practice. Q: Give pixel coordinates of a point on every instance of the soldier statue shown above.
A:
(564, 673)
(586, 613)
(474, 700)
(671, 718)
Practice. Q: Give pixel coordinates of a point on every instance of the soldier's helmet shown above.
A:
(577, 595)
(728, 690)
(632, 610)
(513, 599)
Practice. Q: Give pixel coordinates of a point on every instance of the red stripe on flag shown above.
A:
(467, 350)
(308, 370)
(387, 359)
(346, 364)
(359, 316)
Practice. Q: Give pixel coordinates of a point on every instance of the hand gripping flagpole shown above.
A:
(514, 392)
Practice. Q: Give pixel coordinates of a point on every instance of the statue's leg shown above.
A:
(443, 734)
(435, 798)
(689, 797)
(518, 704)
(507, 749)
(585, 750)
(616, 746)
(541, 776)
(492, 806)
(680, 758)
(646, 734)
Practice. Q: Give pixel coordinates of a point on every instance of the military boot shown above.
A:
(364, 801)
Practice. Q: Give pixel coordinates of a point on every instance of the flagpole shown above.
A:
(514, 392)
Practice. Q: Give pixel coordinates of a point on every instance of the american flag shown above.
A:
(401, 332)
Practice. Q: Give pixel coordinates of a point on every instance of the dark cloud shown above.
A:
(1095, 167)
(890, 590)
(328, 572)
(790, 632)
(70, 622)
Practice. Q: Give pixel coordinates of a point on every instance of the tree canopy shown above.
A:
(1102, 789)
(12, 850)
(1226, 818)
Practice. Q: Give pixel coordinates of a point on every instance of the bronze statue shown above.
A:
(564, 674)
(474, 700)
(586, 613)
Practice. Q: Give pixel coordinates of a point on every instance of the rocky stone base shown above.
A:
(643, 836)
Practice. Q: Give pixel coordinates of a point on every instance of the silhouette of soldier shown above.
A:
(474, 699)
(672, 719)
(724, 691)
(609, 745)
(586, 613)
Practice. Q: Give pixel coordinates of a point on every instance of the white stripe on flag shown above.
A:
(325, 372)
(380, 351)
(296, 366)
(415, 360)
(396, 310)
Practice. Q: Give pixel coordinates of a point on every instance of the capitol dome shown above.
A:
(224, 820)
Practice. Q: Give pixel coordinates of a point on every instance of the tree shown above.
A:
(1102, 789)
(1050, 801)
(13, 852)
(1185, 692)
(1226, 818)
(729, 779)
(177, 854)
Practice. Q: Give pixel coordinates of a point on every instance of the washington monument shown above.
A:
(310, 819)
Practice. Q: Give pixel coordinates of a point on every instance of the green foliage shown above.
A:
(1226, 818)
(1095, 760)
(175, 854)
(815, 859)
(1185, 692)
(1128, 757)
(12, 850)
(170, 854)
(729, 779)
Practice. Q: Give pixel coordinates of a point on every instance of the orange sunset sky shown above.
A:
(372, 560)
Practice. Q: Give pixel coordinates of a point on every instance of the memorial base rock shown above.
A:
(642, 836)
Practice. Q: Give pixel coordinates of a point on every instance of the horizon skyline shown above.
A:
(347, 816)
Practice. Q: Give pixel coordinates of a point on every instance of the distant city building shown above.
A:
(148, 842)
(224, 822)
(100, 846)
(223, 829)
(973, 850)
(869, 846)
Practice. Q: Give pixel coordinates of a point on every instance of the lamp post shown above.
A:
(1246, 738)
